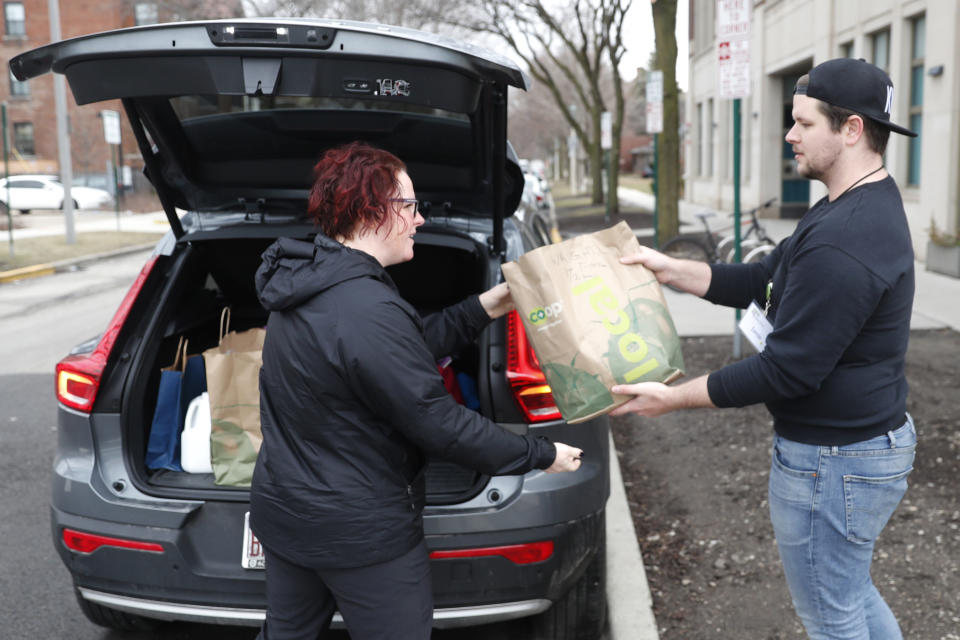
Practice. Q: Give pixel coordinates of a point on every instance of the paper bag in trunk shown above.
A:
(594, 322)
(233, 384)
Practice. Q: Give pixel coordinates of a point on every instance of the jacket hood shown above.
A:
(293, 271)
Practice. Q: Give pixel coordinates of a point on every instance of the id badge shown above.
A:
(755, 327)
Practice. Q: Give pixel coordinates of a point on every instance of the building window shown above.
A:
(918, 37)
(846, 50)
(145, 13)
(710, 132)
(745, 139)
(704, 22)
(23, 138)
(880, 49)
(17, 87)
(14, 19)
(701, 131)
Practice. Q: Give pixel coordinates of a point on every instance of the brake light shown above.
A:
(78, 376)
(82, 542)
(529, 385)
(515, 553)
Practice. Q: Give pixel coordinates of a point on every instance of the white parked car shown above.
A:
(28, 192)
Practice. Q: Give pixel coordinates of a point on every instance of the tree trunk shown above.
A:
(668, 151)
(596, 174)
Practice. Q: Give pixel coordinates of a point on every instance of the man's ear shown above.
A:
(853, 129)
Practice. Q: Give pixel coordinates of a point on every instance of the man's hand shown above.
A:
(568, 458)
(652, 399)
(497, 301)
(688, 275)
(656, 399)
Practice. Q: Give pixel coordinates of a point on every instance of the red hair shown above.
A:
(351, 188)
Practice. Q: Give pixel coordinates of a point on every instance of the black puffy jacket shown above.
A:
(351, 403)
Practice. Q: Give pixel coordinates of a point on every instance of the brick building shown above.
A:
(31, 116)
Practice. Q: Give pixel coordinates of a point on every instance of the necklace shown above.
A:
(859, 181)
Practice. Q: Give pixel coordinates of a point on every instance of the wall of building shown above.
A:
(788, 37)
(89, 152)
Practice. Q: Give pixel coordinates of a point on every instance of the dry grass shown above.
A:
(47, 249)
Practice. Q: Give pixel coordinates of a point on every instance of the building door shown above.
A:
(794, 189)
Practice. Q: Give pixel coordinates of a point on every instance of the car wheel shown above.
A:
(75, 205)
(113, 619)
(581, 614)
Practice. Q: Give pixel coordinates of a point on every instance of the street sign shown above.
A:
(111, 126)
(733, 48)
(655, 102)
(606, 131)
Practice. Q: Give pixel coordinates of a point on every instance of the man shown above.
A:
(832, 320)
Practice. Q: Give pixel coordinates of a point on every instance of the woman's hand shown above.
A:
(497, 301)
(568, 458)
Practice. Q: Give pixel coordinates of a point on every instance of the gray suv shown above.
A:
(230, 117)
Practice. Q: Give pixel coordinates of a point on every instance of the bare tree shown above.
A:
(574, 49)
(416, 14)
(668, 152)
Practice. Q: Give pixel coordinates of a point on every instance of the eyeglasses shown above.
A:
(406, 202)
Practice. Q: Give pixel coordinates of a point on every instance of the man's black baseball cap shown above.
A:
(856, 85)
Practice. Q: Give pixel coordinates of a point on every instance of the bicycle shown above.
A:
(712, 248)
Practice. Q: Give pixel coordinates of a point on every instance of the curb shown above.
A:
(630, 610)
(46, 269)
(32, 271)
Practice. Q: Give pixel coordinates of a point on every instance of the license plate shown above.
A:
(253, 557)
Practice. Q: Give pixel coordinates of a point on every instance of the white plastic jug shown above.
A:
(195, 440)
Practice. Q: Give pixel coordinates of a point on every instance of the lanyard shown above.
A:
(766, 307)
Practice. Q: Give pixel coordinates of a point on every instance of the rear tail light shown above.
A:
(516, 553)
(78, 375)
(83, 542)
(530, 388)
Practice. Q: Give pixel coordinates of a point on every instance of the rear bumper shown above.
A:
(451, 617)
(198, 575)
(176, 585)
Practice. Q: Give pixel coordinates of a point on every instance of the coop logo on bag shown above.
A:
(541, 315)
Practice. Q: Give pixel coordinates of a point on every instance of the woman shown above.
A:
(351, 406)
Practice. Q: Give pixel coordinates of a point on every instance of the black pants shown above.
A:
(388, 601)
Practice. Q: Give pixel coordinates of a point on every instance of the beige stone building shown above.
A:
(916, 41)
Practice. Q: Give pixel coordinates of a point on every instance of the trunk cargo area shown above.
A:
(209, 275)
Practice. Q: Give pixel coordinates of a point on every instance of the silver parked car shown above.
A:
(230, 117)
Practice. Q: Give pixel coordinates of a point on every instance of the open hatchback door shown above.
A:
(230, 116)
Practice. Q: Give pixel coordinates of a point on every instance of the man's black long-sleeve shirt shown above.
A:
(832, 370)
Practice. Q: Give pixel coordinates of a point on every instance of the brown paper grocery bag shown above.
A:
(233, 385)
(594, 322)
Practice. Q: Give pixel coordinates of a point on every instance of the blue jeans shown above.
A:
(827, 506)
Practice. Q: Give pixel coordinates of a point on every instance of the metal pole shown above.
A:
(6, 174)
(117, 186)
(737, 347)
(63, 138)
(656, 186)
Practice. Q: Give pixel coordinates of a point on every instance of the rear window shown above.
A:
(274, 141)
(187, 107)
